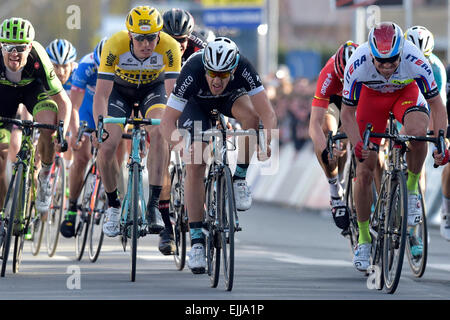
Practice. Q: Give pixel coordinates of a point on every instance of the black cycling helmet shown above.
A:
(178, 22)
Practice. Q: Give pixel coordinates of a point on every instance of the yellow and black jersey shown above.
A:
(120, 65)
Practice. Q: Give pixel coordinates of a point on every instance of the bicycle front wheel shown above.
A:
(37, 227)
(177, 208)
(135, 216)
(212, 240)
(395, 232)
(417, 242)
(83, 220)
(227, 213)
(58, 181)
(96, 224)
(13, 215)
(352, 232)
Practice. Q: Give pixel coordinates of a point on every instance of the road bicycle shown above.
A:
(221, 220)
(388, 224)
(133, 222)
(19, 214)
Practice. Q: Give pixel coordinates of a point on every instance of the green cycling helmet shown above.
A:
(16, 30)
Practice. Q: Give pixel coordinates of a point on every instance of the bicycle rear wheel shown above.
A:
(352, 231)
(212, 240)
(13, 213)
(417, 242)
(57, 180)
(227, 214)
(395, 232)
(96, 224)
(135, 216)
(177, 208)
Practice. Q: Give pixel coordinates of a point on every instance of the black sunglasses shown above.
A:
(388, 60)
(141, 37)
(181, 40)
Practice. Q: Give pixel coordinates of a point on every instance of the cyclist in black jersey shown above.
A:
(27, 76)
(179, 24)
(445, 179)
(218, 77)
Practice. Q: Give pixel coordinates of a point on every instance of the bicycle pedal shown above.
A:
(238, 229)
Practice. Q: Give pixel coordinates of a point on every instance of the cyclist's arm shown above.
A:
(168, 125)
(64, 108)
(315, 129)
(102, 92)
(76, 97)
(169, 84)
(265, 111)
(439, 113)
(349, 124)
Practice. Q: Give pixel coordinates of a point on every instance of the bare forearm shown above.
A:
(350, 125)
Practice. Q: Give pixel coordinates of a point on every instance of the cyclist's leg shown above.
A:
(153, 106)
(195, 118)
(412, 112)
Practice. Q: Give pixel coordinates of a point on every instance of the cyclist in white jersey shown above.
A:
(388, 74)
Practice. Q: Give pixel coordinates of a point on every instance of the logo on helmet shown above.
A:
(145, 25)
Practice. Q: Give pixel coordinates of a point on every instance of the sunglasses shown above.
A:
(18, 47)
(141, 37)
(221, 75)
(181, 40)
(388, 60)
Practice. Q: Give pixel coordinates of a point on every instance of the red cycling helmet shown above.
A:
(386, 40)
(341, 57)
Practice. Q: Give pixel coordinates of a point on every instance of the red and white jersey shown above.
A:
(360, 70)
(328, 84)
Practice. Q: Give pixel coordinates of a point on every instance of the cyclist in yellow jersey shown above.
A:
(140, 64)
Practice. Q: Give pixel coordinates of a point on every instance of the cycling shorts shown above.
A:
(374, 107)
(33, 96)
(85, 112)
(122, 100)
(196, 114)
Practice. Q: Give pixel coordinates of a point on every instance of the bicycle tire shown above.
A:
(418, 264)
(352, 231)
(37, 230)
(212, 242)
(395, 232)
(135, 215)
(227, 213)
(177, 208)
(96, 234)
(58, 181)
(18, 186)
(376, 229)
(83, 220)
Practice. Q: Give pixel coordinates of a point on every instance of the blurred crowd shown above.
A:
(291, 99)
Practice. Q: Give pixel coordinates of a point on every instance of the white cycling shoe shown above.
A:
(197, 259)
(111, 226)
(242, 195)
(361, 259)
(44, 196)
(414, 209)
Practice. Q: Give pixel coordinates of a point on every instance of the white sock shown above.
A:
(445, 205)
(335, 187)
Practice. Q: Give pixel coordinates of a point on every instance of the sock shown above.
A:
(241, 172)
(73, 205)
(45, 170)
(364, 234)
(153, 196)
(113, 199)
(335, 187)
(164, 209)
(412, 183)
(196, 233)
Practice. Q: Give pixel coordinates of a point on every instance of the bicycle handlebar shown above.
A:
(124, 121)
(31, 124)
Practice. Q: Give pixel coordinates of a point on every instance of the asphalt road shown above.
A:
(281, 254)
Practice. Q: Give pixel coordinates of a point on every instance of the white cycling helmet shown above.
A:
(61, 52)
(220, 55)
(422, 38)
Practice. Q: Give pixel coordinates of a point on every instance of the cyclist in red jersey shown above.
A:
(325, 111)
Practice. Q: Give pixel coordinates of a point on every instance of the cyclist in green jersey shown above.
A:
(27, 76)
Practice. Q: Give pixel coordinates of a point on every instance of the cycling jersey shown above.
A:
(85, 77)
(327, 86)
(119, 64)
(440, 75)
(413, 66)
(196, 42)
(192, 83)
(38, 67)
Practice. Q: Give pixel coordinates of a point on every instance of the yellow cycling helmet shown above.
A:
(144, 20)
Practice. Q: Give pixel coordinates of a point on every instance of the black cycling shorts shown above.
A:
(122, 100)
(196, 113)
(33, 96)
